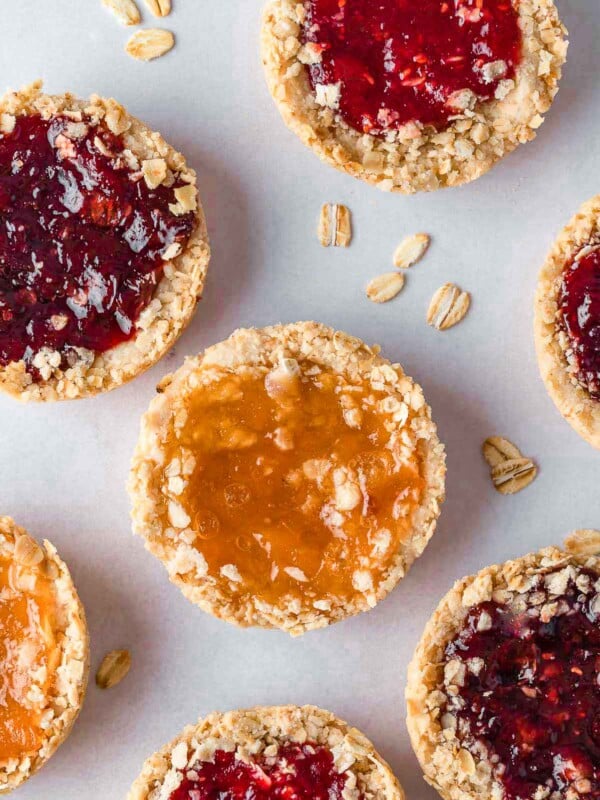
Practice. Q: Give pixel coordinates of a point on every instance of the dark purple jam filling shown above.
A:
(535, 701)
(81, 240)
(297, 772)
(398, 61)
(579, 307)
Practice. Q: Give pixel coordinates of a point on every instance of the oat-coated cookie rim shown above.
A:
(466, 150)
(458, 774)
(572, 399)
(68, 690)
(166, 316)
(247, 729)
(326, 347)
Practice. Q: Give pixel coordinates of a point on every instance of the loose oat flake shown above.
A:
(448, 307)
(513, 475)
(411, 250)
(335, 226)
(160, 8)
(114, 667)
(150, 44)
(583, 542)
(126, 11)
(385, 287)
(496, 449)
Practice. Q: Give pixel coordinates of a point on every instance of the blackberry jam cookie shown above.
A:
(44, 654)
(503, 694)
(567, 322)
(413, 96)
(103, 245)
(287, 477)
(268, 753)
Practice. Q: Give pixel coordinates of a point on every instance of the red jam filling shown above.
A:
(398, 61)
(535, 703)
(297, 772)
(579, 306)
(81, 240)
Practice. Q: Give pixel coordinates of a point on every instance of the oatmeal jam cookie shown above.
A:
(103, 245)
(271, 752)
(503, 696)
(436, 101)
(44, 654)
(287, 477)
(567, 322)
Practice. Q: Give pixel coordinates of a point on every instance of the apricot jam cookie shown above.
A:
(287, 477)
(44, 654)
(268, 753)
(567, 322)
(503, 695)
(103, 245)
(413, 96)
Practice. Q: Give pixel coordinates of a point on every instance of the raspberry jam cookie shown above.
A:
(503, 695)
(287, 477)
(567, 322)
(103, 245)
(413, 96)
(268, 753)
(43, 654)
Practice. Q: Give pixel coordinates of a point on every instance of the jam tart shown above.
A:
(44, 654)
(567, 322)
(503, 694)
(268, 753)
(287, 477)
(103, 245)
(413, 96)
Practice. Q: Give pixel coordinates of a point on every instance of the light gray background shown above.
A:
(63, 467)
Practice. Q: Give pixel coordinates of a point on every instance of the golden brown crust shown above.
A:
(456, 772)
(572, 399)
(266, 347)
(418, 159)
(62, 703)
(175, 299)
(251, 731)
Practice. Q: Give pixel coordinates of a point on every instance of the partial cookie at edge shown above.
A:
(250, 731)
(573, 401)
(175, 298)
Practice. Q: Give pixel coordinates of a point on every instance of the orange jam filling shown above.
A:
(293, 482)
(28, 657)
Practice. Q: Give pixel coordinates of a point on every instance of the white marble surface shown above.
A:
(63, 467)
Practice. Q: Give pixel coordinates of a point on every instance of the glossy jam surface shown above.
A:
(400, 61)
(26, 645)
(579, 305)
(297, 772)
(535, 702)
(81, 239)
(295, 485)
